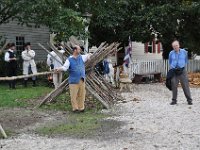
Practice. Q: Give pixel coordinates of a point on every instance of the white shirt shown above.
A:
(55, 60)
(66, 65)
(28, 57)
(7, 55)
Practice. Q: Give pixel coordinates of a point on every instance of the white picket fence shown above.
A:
(162, 66)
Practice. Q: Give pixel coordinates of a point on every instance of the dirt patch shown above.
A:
(17, 119)
(57, 124)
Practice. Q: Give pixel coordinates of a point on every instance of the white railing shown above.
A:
(162, 66)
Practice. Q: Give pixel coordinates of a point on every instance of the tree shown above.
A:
(112, 20)
(51, 13)
(174, 20)
(190, 25)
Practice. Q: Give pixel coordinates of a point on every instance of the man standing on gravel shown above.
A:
(76, 66)
(178, 59)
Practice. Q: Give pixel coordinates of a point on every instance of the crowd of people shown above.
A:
(178, 59)
(75, 65)
(29, 64)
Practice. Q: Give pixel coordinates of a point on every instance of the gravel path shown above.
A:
(148, 124)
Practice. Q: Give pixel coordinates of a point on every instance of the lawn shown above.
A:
(73, 124)
(18, 97)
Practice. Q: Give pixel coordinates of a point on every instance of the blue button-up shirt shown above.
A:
(178, 60)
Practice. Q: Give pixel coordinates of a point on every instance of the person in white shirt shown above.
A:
(76, 66)
(55, 62)
(11, 63)
(28, 56)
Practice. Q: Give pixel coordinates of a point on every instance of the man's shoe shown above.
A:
(76, 111)
(173, 103)
(82, 111)
(190, 103)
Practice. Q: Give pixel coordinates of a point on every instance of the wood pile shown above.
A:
(95, 83)
(194, 79)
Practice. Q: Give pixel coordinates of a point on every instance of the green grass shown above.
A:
(84, 124)
(62, 103)
(74, 124)
(18, 97)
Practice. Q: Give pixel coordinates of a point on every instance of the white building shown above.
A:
(146, 51)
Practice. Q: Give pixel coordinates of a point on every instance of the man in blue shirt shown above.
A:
(178, 59)
(76, 66)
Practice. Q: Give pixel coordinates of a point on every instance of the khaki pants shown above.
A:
(77, 93)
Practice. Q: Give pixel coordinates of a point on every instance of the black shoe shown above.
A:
(82, 111)
(173, 103)
(190, 103)
(76, 111)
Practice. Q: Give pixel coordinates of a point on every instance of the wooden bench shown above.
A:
(138, 77)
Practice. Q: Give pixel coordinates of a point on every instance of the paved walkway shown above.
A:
(148, 124)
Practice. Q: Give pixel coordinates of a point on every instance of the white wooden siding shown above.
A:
(138, 52)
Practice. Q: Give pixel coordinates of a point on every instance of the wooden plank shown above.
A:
(3, 132)
(24, 76)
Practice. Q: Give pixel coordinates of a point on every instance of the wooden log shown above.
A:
(53, 94)
(60, 55)
(65, 86)
(24, 76)
(93, 92)
(105, 93)
(3, 132)
(107, 87)
(93, 84)
(49, 53)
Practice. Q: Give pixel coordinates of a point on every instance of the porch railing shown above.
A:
(162, 66)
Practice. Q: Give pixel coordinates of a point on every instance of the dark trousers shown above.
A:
(11, 71)
(183, 78)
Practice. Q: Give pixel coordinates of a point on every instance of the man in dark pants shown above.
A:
(178, 59)
(10, 58)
